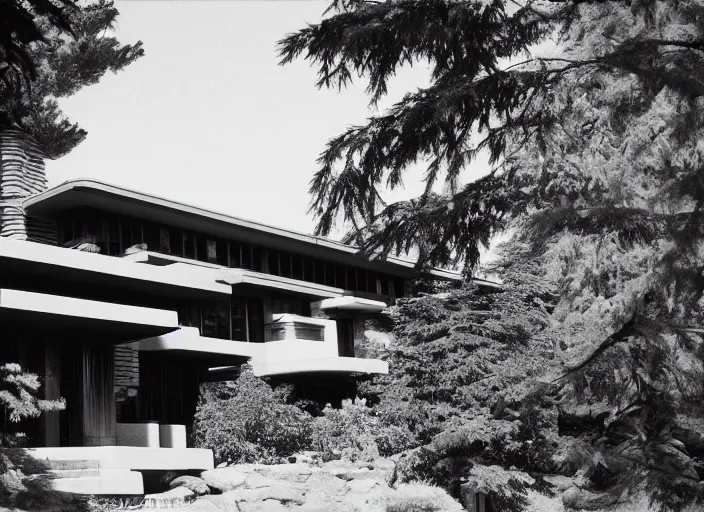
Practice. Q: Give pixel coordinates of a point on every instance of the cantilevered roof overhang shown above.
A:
(96, 194)
(22, 260)
(23, 312)
(328, 365)
(243, 278)
(350, 303)
(187, 342)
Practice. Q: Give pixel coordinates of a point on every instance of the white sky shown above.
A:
(208, 117)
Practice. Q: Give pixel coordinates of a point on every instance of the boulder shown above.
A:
(298, 473)
(195, 484)
(224, 479)
(172, 498)
(264, 506)
(581, 499)
(282, 493)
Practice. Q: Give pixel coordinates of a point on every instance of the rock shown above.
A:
(257, 480)
(170, 499)
(265, 506)
(224, 479)
(362, 486)
(359, 474)
(581, 499)
(195, 484)
(168, 477)
(298, 473)
(562, 483)
(304, 457)
(11, 481)
(281, 493)
(222, 465)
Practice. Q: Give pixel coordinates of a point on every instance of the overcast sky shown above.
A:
(208, 117)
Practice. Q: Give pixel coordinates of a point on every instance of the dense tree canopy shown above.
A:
(19, 31)
(597, 170)
(59, 63)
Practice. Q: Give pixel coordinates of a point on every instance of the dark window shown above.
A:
(352, 279)
(66, 230)
(176, 241)
(201, 248)
(329, 274)
(255, 319)
(111, 235)
(297, 267)
(238, 313)
(189, 246)
(216, 320)
(345, 338)
(235, 255)
(308, 269)
(258, 259)
(164, 241)
(246, 257)
(371, 282)
(221, 248)
(189, 316)
(131, 232)
(273, 262)
(319, 272)
(340, 277)
(152, 236)
(361, 280)
(211, 249)
(384, 286)
(398, 285)
(285, 264)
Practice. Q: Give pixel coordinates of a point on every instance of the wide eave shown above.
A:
(96, 194)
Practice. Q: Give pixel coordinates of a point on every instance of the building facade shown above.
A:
(124, 303)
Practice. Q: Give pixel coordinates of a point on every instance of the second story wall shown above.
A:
(113, 234)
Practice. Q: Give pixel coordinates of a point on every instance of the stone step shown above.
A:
(70, 464)
(112, 482)
(54, 474)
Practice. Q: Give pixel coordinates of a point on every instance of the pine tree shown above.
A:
(19, 32)
(597, 172)
(65, 63)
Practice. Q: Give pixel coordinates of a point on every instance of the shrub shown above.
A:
(248, 421)
(357, 433)
(420, 497)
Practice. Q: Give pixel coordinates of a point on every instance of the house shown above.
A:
(124, 303)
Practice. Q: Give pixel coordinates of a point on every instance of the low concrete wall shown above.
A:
(139, 434)
(172, 436)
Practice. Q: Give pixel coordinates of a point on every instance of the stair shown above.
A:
(87, 477)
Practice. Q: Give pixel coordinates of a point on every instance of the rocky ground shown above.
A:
(304, 486)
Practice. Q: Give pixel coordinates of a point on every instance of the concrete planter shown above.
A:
(172, 436)
(138, 434)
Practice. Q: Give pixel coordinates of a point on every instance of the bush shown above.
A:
(357, 433)
(248, 421)
(420, 497)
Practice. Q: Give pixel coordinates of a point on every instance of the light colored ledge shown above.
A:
(181, 276)
(188, 339)
(339, 365)
(89, 309)
(131, 457)
(236, 277)
(354, 304)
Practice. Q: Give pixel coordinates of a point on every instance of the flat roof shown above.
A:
(20, 256)
(97, 194)
(55, 313)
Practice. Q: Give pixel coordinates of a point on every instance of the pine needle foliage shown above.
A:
(597, 158)
(63, 63)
